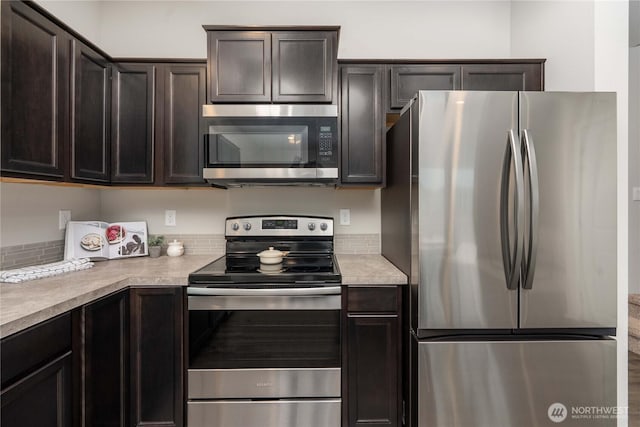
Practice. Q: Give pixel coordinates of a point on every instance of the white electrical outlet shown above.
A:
(64, 217)
(636, 194)
(345, 216)
(170, 218)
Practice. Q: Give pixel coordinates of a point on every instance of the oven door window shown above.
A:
(276, 145)
(264, 339)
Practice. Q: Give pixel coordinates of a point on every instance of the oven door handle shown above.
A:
(321, 290)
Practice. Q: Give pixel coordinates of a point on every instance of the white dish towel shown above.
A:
(45, 270)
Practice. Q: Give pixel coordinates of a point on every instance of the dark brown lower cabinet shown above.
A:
(371, 365)
(37, 376)
(105, 375)
(157, 356)
(42, 399)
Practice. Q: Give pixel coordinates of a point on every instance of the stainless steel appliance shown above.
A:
(271, 144)
(264, 339)
(501, 208)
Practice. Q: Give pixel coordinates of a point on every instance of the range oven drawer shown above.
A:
(263, 383)
(261, 413)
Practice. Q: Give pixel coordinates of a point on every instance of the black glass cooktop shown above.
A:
(246, 269)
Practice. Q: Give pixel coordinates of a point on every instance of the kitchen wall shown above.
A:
(370, 29)
(634, 144)
(567, 45)
(202, 211)
(82, 16)
(634, 168)
(29, 213)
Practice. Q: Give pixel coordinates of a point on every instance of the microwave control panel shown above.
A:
(328, 142)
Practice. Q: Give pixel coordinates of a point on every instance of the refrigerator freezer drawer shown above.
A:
(269, 413)
(517, 383)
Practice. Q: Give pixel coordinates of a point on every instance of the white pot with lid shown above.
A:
(175, 248)
(272, 256)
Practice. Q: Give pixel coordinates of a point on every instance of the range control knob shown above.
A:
(247, 226)
(312, 226)
(235, 226)
(323, 226)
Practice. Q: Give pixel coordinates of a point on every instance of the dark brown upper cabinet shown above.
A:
(304, 64)
(90, 114)
(366, 114)
(518, 76)
(35, 93)
(406, 80)
(239, 65)
(181, 126)
(271, 65)
(132, 123)
(362, 124)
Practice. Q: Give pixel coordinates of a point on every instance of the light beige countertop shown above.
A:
(25, 304)
(369, 270)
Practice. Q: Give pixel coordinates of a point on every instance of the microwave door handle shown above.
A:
(321, 290)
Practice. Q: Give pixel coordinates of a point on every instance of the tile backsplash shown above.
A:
(19, 256)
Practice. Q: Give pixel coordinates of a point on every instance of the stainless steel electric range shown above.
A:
(264, 339)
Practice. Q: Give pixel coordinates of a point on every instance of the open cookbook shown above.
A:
(100, 240)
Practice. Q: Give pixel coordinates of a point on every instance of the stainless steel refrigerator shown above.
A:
(501, 209)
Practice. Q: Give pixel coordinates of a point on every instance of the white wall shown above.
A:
(203, 211)
(634, 22)
(634, 168)
(29, 213)
(612, 74)
(81, 16)
(562, 32)
(370, 29)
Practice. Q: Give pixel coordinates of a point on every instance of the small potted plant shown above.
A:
(155, 245)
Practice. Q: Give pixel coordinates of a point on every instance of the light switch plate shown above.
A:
(345, 216)
(170, 218)
(636, 194)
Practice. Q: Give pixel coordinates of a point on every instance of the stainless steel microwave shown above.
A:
(270, 144)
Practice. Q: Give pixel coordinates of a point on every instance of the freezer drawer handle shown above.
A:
(529, 153)
(511, 264)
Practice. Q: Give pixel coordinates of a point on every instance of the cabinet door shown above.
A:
(157, 357)
(373, 370)
(303, 66)
(406, 80)
(41, 399)
(132, 130)
(183, 97)
(90, 111)
(363, 125)
(105, 383)
(239, 66)
(35, 93)
(509, 77)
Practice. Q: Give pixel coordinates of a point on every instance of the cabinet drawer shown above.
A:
(25, 351)
(372, 299)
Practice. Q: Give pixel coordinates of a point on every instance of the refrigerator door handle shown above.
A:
(528, 267)
(511, 263)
